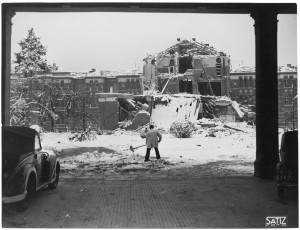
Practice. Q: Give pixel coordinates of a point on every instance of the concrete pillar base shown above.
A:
(264, 170)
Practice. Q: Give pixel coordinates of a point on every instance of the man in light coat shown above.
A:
(153, 137)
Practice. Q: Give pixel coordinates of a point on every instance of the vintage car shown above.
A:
(287, 167)
(26, 167)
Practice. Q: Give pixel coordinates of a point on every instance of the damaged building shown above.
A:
(134, 111)
(188, 67)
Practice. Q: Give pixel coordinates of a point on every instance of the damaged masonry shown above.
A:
(194, 88)
(162, 110)
(189, 80)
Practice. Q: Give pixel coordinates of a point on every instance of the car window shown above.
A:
(37, 145)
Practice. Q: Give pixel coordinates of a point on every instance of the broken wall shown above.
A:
(149, 70)
(171, 88)
(225, 113)
(142, 118)
(167, 109)
(212, 67)
(108, 113)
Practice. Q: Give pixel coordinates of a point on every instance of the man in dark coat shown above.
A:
(153, 137)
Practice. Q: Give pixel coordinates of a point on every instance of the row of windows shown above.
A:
(246, 82)
(288, 81)
(95, 81)
(288, 100)
(245, 97)
(93, 87)
(89, 102)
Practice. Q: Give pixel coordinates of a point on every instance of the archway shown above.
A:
(265, 17)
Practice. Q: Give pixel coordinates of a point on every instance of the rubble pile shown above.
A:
(216, 127)
(83, 136)
(168, 109)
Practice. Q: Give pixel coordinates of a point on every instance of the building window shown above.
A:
(240, 98)
(251, 81)
(291, 78)
(100, 87)
(127, 84)
(240, 81)
(172, 64)
(246, 81)
(288, 101)
(286, 82)
(131, 84)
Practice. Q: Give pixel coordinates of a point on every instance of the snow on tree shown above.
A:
(24, 102)
(30, 59)
(182, 128)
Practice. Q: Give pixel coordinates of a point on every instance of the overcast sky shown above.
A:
(117, 41)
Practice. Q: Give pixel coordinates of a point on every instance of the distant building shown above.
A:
(242, 90)
(242, 85)
(73, 96)
(190, 67)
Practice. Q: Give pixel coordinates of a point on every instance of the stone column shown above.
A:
(6, 63)
(266, 93)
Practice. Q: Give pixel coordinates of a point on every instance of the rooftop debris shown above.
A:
(244, 69)
(247, 69)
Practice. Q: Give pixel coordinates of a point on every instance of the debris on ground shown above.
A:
(105, 154)
(83, 136)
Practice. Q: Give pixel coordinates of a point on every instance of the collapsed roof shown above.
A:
(192, 47)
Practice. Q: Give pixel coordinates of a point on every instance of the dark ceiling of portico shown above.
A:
(223, 8)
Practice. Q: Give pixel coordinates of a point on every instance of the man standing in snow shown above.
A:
(152, 138)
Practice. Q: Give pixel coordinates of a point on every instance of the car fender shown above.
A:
(55, 169)
(31, 169)
(17, 191)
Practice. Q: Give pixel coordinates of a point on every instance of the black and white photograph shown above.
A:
(163, 115)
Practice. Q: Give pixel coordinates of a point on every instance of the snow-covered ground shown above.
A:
(111, 154)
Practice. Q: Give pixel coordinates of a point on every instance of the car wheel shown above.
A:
(31, 189)
(280, 191)
(54, 184)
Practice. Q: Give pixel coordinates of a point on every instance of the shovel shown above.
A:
(132, 149)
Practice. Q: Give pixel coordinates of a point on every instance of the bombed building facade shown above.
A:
(188, 67)
(189, 80)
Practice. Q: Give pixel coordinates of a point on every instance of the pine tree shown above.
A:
(31, 57)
